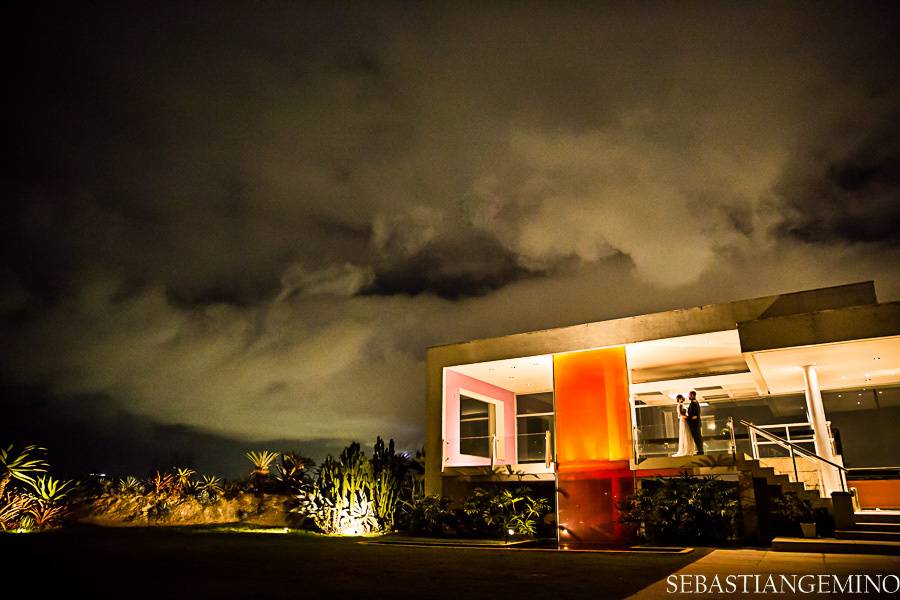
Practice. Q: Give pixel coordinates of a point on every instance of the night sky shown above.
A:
(235, 227)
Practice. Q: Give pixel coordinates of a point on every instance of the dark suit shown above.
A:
(693, 421)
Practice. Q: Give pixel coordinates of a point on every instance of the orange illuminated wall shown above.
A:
(593, 444)
(593, 418)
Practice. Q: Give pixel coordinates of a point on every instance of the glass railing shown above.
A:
(534, 447)
(660, 440)
(529, 447)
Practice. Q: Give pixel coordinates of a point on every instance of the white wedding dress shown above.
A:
(686, 445)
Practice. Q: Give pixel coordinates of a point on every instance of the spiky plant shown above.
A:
(211, 483)
(183, 479)
(162, 484)
(131, 485)
(261, 460)
(12, 506)
(293, 471)
(46, 514)
(49, 489)
(21, 465)
(208, 488)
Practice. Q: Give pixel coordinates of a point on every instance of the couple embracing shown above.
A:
(690, 438)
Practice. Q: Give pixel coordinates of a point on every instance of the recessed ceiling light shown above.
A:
(877, 358)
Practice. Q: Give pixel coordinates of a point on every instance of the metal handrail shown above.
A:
(794, 447)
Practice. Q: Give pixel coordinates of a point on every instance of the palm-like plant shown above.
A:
(21, 465)
(261, 460)
(183, 479)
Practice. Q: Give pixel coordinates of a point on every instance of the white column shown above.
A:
(830, 476)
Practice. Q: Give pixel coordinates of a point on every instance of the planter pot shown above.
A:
(809, 530)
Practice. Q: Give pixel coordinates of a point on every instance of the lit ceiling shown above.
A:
(526, 375)
(865, 363)
(687, 356)
(713, 365)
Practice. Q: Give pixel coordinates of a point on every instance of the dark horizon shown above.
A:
(234, 228)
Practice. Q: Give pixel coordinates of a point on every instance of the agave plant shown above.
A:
(21, 465)
(50, 490)
(293, 470)
(209, 487)
(131, 485)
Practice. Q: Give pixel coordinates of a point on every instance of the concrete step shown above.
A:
(878, 516)
(860, 534)
(835, 546)
(876, 526)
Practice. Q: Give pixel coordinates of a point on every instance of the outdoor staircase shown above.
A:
(745, 463)
(873, 532)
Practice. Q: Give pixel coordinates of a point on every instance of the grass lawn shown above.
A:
(174, 563)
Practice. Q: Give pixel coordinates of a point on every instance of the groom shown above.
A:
(693, 421)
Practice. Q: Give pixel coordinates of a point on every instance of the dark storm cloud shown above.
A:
(853, 196)
(248, 221)
(450, 268)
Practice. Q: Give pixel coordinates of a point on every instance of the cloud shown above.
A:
(258, 239)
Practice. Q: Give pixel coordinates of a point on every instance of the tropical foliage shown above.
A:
(498, 512)
(41, 503)
(683, 509)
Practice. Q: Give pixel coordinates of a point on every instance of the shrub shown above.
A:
(788, 511)
(503, 512)
(494, 513)
(683, 510)
(428, 515)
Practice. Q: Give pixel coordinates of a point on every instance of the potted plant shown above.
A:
(791, 510)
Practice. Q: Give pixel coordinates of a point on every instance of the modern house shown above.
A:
(798, 390)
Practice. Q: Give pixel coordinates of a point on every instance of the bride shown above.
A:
(686, 445)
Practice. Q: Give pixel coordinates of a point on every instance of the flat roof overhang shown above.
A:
(655, 326)
(821, 327)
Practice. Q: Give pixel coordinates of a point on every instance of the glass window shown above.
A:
(476, 426)
(534, 418)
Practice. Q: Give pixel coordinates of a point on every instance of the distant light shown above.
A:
(510, 531)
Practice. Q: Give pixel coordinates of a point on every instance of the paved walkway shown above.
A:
(766, 562)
